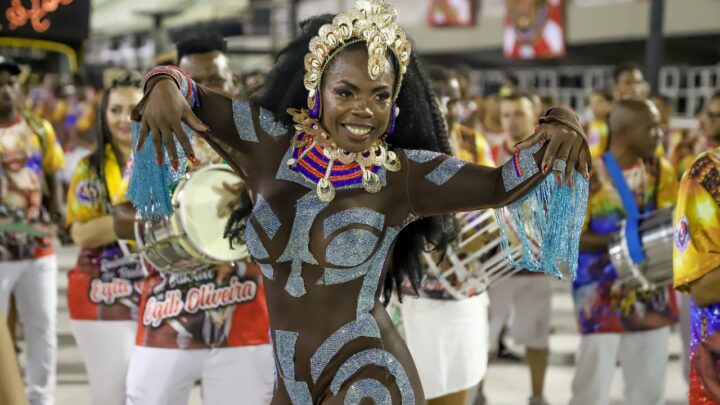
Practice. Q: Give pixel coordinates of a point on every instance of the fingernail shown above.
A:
(192, 159)
(545, 169)
(206, 127)
(175, 164)
(558, 180)
(569, 182)
(158, 160)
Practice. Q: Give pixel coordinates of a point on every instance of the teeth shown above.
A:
(358, 131)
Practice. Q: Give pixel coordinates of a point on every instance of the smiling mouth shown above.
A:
(358, 130)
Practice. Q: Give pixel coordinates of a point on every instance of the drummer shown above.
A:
(226, 346)
(617, 322)
(525, 298)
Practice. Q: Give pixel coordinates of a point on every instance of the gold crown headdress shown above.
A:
(371, 21)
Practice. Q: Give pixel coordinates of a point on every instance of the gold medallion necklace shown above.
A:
(319, 160)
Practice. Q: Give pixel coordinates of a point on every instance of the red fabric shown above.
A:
(445, 13)
(696, 391)
(79, 303)
(96, 291)
(537, 36)
(47, 250)
(169, 304)
(250, 323)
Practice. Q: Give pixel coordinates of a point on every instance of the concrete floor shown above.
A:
(506, 383)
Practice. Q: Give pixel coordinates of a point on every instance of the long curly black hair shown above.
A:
(129, 78)
(420, 125)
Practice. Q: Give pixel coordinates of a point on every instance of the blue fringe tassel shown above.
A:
(546, 224)
(150, 184)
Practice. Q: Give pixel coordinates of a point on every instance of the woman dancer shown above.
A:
(104, 287)
(335, 206)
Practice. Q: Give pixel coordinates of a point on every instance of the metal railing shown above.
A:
(688, 87)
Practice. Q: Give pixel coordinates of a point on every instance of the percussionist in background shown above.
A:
(227, 346)
(618, 322)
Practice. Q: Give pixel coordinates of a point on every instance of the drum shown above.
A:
(476, 260)
(656, 237)
(192, 238)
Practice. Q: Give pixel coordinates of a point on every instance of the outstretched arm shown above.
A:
(246, 136)
(439, 184)
(235, 129)
(533, 208)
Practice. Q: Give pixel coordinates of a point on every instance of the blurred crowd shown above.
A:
(484, 126)
(70, 106)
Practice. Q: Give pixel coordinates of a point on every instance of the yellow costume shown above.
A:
(697, 221)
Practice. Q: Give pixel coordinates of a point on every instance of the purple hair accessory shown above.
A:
(392, 119)
(315, 112)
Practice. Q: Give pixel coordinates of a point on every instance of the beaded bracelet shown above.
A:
(182, 80)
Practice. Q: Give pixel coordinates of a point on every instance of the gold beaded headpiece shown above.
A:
(371, 21)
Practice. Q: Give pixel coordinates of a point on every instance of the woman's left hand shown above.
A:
(567, 150)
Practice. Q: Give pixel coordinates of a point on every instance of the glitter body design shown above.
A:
(353, 216)
(365, 324)
(270, 125)
(243, 121)
(517, 171)
(421, 156)
(337, 276)
(267, 270)
(375, 247)
(368, 389)
(297, 250)
(380, 358)
(445, 170)
(270, 224)
(351, 248)
(266, 217)
(285, 346)
(254, 245)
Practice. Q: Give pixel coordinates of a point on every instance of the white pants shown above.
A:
(106, 347)
(34, 283)
(523, 302)
(643, 358)
(234, 375)
(448, 342)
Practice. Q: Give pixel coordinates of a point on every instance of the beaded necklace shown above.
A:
(322, 162)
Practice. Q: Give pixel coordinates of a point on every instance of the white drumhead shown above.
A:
(201, 200)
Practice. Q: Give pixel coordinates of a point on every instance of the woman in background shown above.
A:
(104, 287)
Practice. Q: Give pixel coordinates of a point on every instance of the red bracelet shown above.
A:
(176, 74)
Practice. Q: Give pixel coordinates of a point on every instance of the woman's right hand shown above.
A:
(163, 112)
